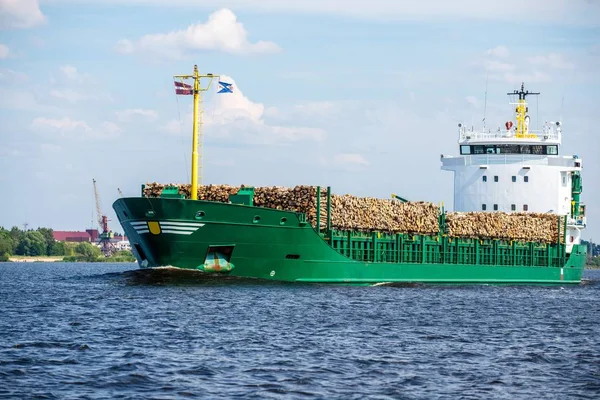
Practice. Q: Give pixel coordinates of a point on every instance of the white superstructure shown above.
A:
(514, 169)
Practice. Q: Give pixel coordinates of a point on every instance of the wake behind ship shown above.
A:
(308, 234)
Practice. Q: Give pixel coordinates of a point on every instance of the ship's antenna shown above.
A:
(485, 99)
(537, 113)
(562, 103)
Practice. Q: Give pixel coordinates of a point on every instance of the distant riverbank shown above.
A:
(62, 258)
(35, 258)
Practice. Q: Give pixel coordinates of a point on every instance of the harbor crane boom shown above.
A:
(106, 245)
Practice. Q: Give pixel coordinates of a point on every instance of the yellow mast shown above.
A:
(521, 107)
(197, 127)
(521, 111)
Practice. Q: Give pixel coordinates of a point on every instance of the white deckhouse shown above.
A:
(515, 169)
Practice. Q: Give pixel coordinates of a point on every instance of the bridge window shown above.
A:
(526, 178)
(537, 149)
(495, 207)
(526, 149)
(525, 207)
(513, 207)
(552, 150)
(495, 178)
(484, 178)
(509, 149)
(514, 178)
(483, 207)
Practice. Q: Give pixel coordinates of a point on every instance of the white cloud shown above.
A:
(3, 51)
(67, 127)
(173, 127)
(23, 100)
(234, 110)
(109, 129)
(8, 75)
(20, 14)
(49, 148)
(552, 60)
(533, 69)
(130, 114)
(221, 32)
(69, 71)
(229, 107)
(63, 124)
(499, 51)
(316, 108)
(71, 85)
(67, 94)
(350, 158)
(499, 66)
(72, 75)
(233, 116)
(125, 46)
(472, 100)
(531, 77)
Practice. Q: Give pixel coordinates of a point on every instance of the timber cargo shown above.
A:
(366, 214)
(517, 220)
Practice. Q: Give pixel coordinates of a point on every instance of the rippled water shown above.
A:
(110, 331)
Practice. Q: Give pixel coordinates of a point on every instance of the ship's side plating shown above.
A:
(273, 244)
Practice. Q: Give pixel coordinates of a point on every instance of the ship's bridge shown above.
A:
(509, 141)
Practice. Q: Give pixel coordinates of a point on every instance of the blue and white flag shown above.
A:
(225, 87)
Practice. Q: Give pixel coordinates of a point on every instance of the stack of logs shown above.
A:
(499, 225)
(385, 215)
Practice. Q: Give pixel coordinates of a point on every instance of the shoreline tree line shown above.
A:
(40, 242)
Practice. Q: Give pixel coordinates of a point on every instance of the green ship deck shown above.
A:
(252, 242)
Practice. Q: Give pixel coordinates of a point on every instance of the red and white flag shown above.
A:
(183, 88)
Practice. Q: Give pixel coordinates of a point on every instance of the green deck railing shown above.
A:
(403, 248)
(407, 248)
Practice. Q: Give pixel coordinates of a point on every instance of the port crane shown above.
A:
(106, 235)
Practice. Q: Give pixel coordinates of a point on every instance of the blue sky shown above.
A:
(362, 96)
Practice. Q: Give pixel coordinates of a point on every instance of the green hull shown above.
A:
(279, 245)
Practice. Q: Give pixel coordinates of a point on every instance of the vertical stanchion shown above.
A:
(329, 211)
(319, 210)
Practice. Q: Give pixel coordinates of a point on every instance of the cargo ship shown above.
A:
(511, 171)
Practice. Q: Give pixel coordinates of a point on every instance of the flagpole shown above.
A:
(197, 91)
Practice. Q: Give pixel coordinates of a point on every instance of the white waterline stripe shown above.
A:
(177, 232)
(143, 231)
(181, 228)
(181, 223)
